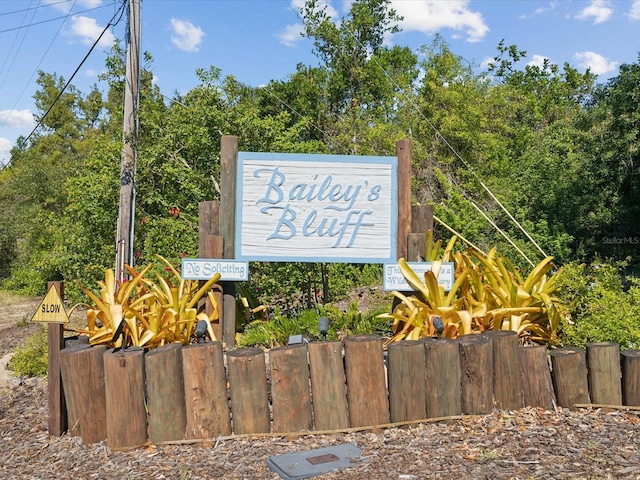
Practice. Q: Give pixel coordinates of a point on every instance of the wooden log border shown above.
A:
(338, 386)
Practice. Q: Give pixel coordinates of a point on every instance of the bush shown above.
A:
(31, 360)
(603, 307)
(276, 331)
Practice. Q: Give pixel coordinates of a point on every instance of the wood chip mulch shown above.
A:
(526, 444)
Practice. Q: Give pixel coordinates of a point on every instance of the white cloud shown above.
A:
(5, 148)
(186, 36)
(291, 35)
(16, 118)
(88, 30)
(331, 11)
(634, 13)
(67, 6)
(596, 62)
(487, 62)
(599, 10)
(537, 61)
(431, 16)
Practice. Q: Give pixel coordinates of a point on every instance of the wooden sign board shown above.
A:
(394, 280)
(205, 268)
(51, 309)
(316, 208)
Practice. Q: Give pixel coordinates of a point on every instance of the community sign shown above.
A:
(316, 208)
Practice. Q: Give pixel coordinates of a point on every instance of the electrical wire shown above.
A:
(28, 82)
(455, 153)
(53, 19)
(119, 12)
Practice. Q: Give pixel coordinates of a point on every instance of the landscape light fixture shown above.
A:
(119, 333)
(438, 325)
(201, 330)
(323, 325)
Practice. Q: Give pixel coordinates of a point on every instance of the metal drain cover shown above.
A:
(292, 466)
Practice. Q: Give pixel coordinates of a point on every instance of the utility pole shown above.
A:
(124, 238)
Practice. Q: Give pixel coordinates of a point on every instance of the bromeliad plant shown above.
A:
(149, 313)
(488, 293)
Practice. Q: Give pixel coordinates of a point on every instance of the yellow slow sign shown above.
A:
(51, 309)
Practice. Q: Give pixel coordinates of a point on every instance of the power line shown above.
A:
(53, 19)
(34, 8)
(28, 82)
(110, 24)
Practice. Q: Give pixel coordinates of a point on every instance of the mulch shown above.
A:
(530, 443)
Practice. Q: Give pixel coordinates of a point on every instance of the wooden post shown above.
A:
(328, 388)
(443, 377)
(228, 169)
(83, 379)
(403, 152)
(165, 393)
(507, 382)
(211, 245)
(603, 367)
(536, 377)
(248, 391)
(124, 398)
(366, 380)
(72, 381)
(290, 391)
(205, 391)
(631, 377)
(406, 374)
(421, 222)
(476, 365)
(569, 374)
(57, 411)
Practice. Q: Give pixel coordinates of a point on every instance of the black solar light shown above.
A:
(438, 325)
(119, 333)
(201, 330)
(323, 325)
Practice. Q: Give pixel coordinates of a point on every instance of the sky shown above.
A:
(259, 40)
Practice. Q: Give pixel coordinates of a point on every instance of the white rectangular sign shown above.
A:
(394, 280)
(205, 268)
(316, 208)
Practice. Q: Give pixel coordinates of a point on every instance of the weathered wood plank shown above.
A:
(290, 390)
(569, 374)
(328, 387)
(125, 398)
(476, 365)
(604, 373)
(205, 391)
(537, 385)
(366, 380)
(406, 374)
(443, 377)
(165, 393)
(248, 391)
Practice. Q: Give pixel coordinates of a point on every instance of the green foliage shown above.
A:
(31, 360)
(604, 306)
(277, 330)
(557, 150)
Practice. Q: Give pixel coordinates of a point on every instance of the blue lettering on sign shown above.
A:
(342, 198)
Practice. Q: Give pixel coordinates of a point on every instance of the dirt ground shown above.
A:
(526, 444)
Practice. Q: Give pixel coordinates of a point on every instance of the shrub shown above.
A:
(31, 360)
(603, 307)
(276, 331)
